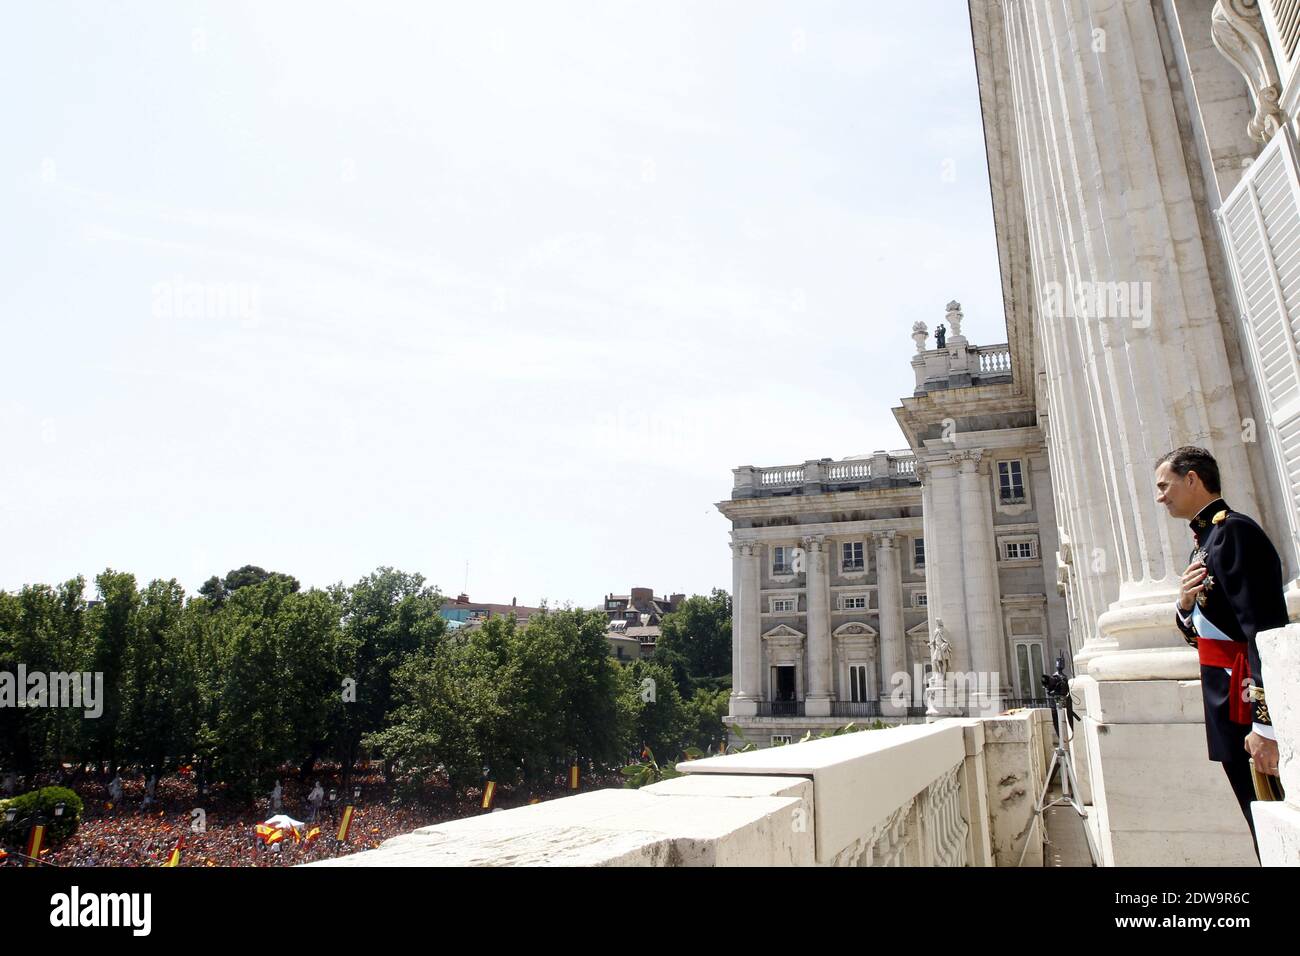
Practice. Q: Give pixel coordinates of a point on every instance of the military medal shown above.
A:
(1204, 596)
(1200, 554)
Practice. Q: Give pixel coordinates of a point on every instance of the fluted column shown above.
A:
(746, 665)
(736, 629)
(979, 560)
(817, 700)
(944, 585)
(889, 586)
(1110, 205)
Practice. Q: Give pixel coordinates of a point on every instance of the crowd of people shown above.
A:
(141, 828)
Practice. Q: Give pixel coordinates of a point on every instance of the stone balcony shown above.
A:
(958, 792)
(881, 469)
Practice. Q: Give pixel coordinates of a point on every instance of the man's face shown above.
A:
(1178, 493)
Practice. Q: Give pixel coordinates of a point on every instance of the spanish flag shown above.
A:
(276, 836)
(489, 791)
(312, 833)
(297, 837)
(346, 824)
(34, 844)
(263, 832)
(573, 777)
(174, 858)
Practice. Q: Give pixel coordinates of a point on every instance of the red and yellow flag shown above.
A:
(263, 831)
(573, 777)
(276, 836)
(34, 844)
(346, 824)
(174, 858)
(297, 837)
(489, 792)
(313, 833)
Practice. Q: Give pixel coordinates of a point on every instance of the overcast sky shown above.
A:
(328, 286)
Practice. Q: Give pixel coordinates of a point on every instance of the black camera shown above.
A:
(1057, 684)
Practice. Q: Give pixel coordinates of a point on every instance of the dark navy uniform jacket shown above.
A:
(1244, 597)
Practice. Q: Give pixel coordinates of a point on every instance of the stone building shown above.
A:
(461, 612)
(1147, 212)
(634, 621)
(843, 569)
(640, 607)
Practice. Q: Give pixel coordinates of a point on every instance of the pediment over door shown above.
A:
(783, 632)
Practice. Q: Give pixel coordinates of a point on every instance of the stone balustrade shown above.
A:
(882, 468)
(958, 792)
(959, 365)
(994, 359)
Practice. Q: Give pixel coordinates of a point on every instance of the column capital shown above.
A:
(815, 542)
(887, 538)
(968, 459)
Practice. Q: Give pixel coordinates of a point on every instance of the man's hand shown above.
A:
(1193, 579)
(1264, 752)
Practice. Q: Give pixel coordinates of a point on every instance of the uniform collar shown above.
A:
(1206, 515)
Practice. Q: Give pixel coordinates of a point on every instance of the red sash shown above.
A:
(1230, 654)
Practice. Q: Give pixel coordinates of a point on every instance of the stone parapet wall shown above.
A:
(957, 792)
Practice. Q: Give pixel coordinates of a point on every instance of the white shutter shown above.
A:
(1282, 25)
(1261, 232)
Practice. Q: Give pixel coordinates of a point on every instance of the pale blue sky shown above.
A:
(521, 283)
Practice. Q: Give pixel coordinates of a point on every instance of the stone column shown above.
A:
(944, 573)
(1110, 204)
(889, 585)
(747, 664)
(817, 699)
(1126, 321)
(979, 560)
(736, 577)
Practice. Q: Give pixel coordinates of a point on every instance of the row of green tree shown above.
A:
(256, 673)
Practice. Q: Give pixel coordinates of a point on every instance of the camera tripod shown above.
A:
(1069, 784)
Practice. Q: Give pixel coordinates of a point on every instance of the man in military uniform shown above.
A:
(1231, 590)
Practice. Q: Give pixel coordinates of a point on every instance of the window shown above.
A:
(851, 602)
(920, 599)
(858, 683)
(1029, 668)
(781, 560)
(851, 556)
(918, 553)
(780, 739)
(611, 605)
(1019, 550)
(782, 605)
(1011, 483)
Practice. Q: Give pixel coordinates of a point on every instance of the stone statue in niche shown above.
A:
(940, 337)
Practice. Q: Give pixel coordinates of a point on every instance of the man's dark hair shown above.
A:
(1190, 458)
